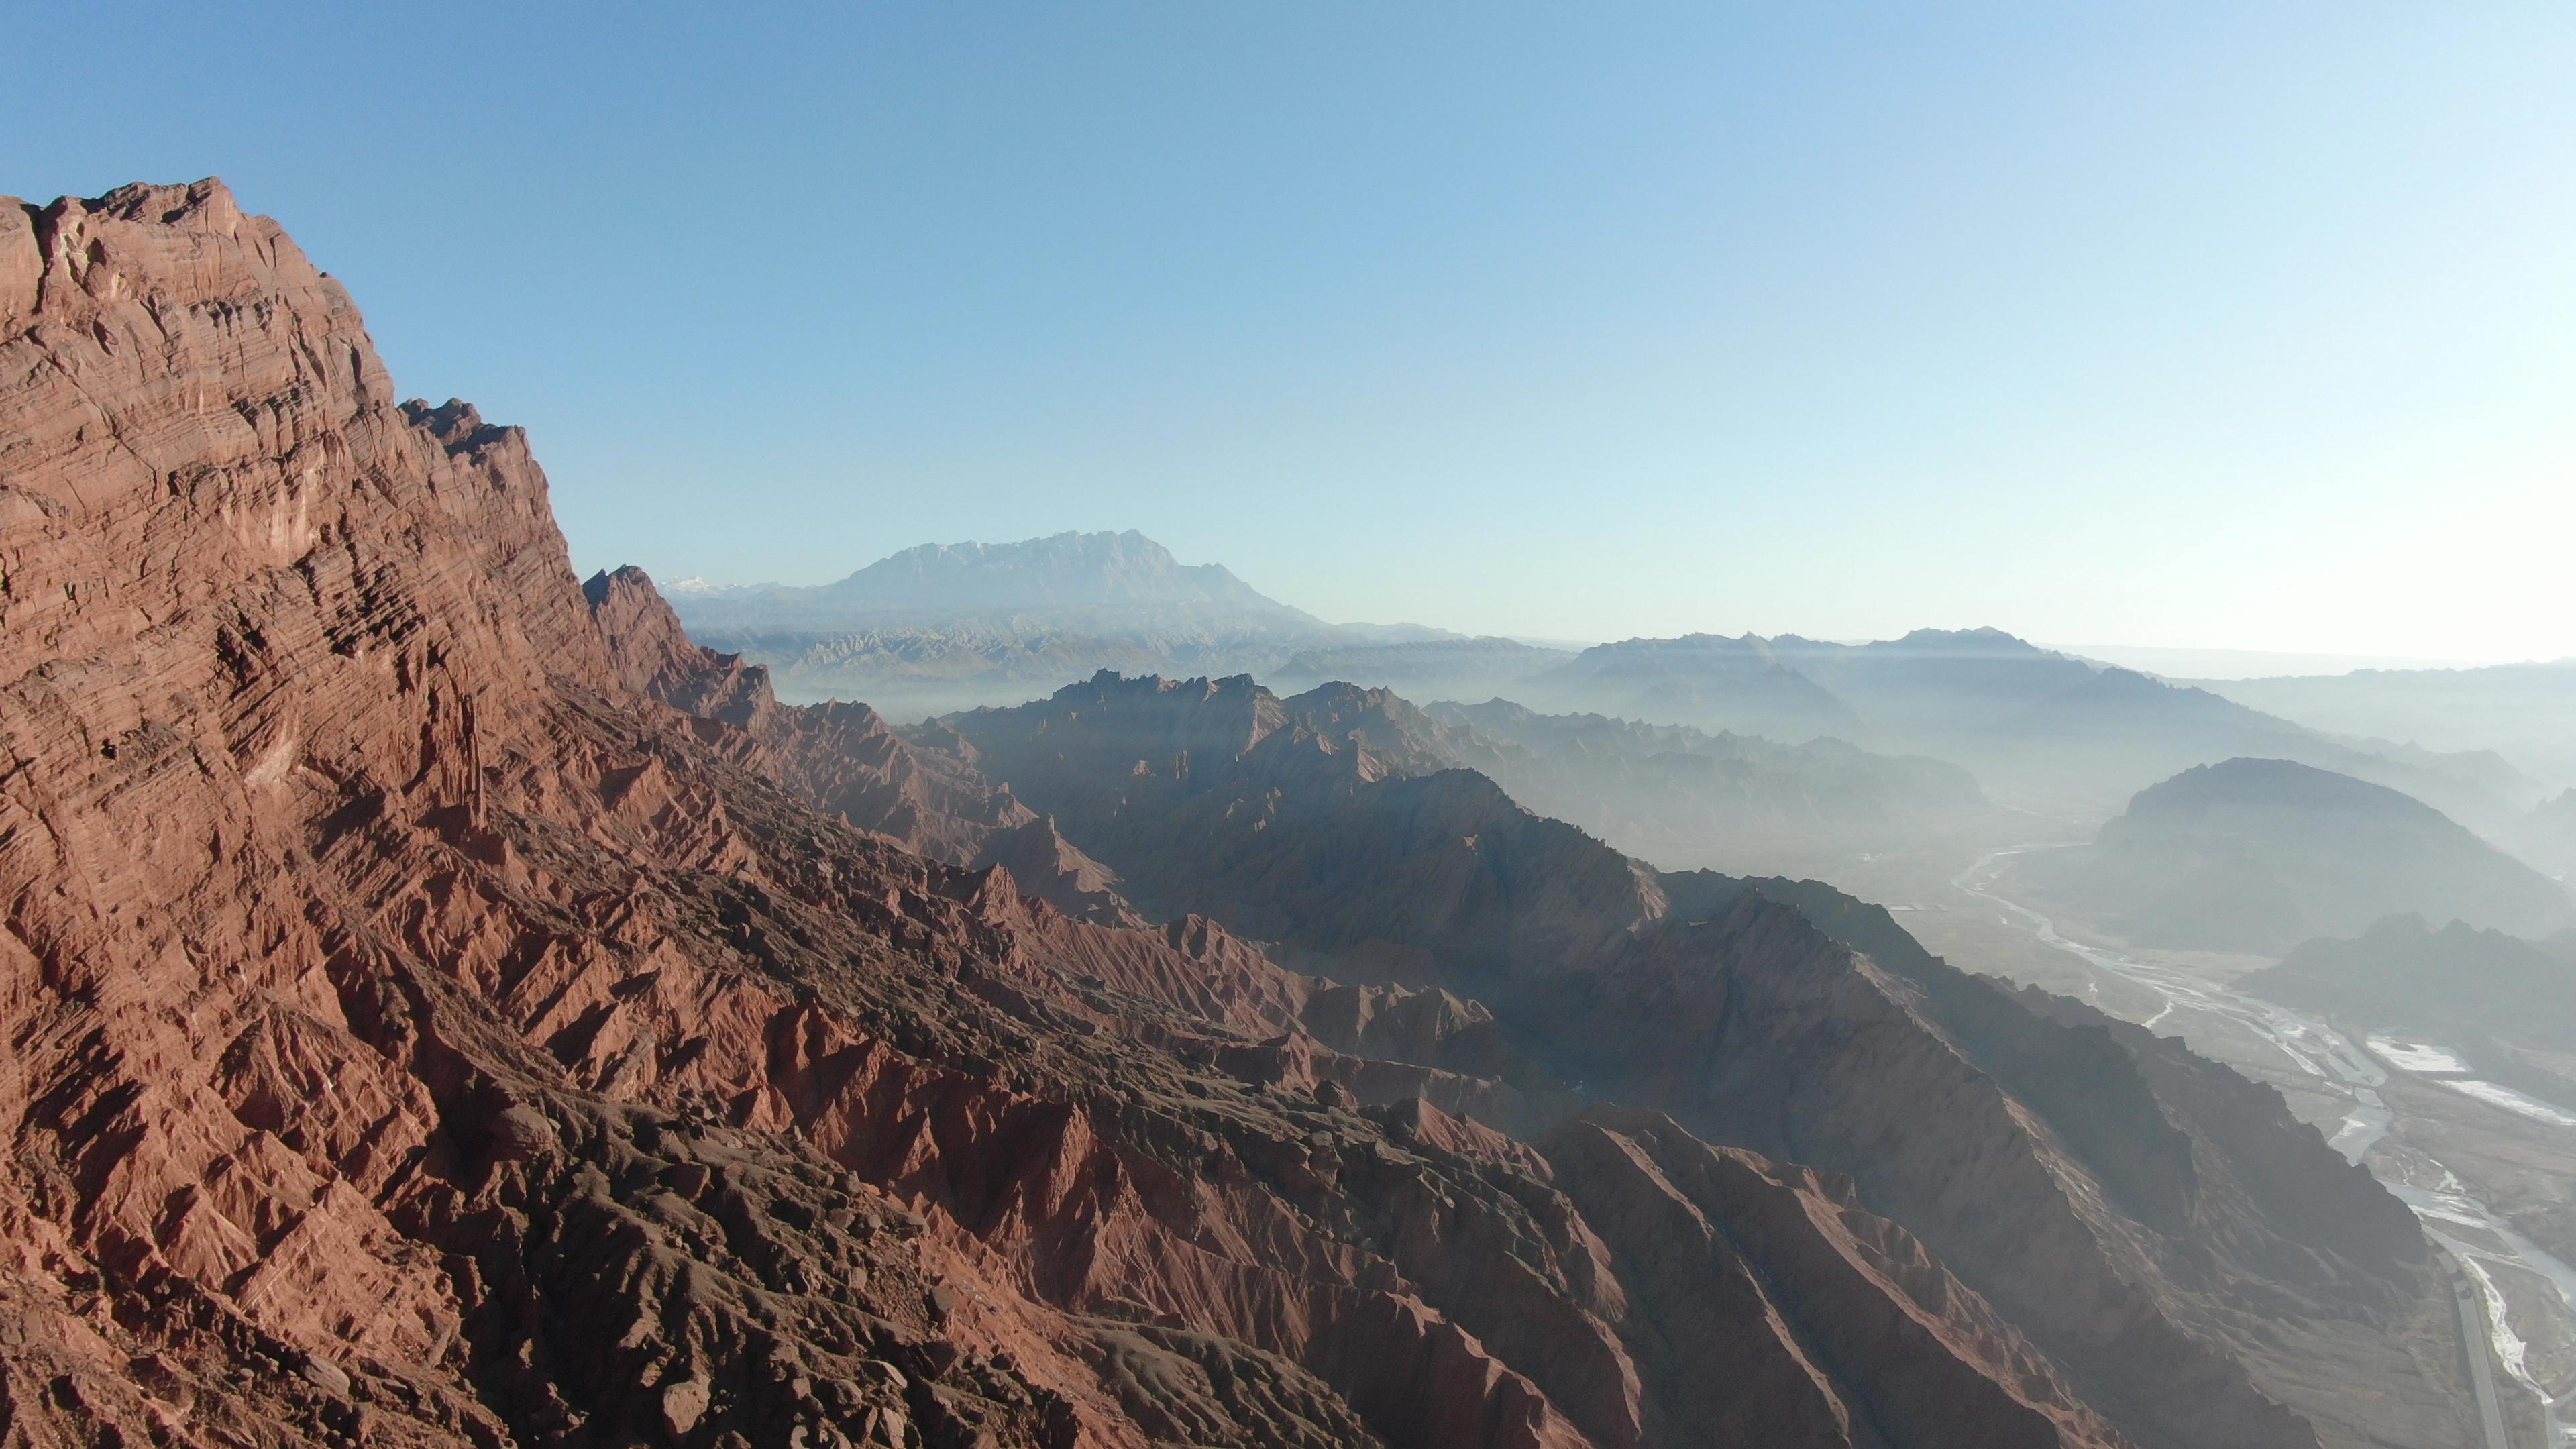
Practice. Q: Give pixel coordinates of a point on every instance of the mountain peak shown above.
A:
(2247, 781)
(1102, 575)
(1983, 639)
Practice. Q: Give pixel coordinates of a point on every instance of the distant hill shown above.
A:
(2469, 982)
(2258, 855)
(2547, 836)
(1744, 683)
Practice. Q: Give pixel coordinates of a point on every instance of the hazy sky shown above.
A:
(2216, 325)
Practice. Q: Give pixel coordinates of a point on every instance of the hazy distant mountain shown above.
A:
(2458, 979)
(2525, 711)
(948, 626)
(1685, 798)
(1740, 683)
(2547, 836)
(1398, 633)
(2259, 855)
(1455, 667)
(2203, 665)
(2039, 724)
(1100, 576)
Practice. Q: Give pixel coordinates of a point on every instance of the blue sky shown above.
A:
(2220, 326)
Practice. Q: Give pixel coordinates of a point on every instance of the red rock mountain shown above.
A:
(444, 1006)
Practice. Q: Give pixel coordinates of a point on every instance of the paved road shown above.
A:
(2480, 1344)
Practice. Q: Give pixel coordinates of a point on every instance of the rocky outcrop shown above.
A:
(845, 760)
(441, 1008)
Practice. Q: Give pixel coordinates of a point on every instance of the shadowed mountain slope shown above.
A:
(2403, 971)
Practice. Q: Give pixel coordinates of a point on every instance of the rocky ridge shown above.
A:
(444, 1006)
(2114, 1195)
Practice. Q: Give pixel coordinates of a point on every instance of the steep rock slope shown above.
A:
(846, 760)
(2125, 1202)
(441, 1007)
(2259, 855)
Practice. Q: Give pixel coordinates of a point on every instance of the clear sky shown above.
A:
(2207, 325)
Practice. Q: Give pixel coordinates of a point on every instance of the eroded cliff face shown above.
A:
(845, 760)
(443, 1006)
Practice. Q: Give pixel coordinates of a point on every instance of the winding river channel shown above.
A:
(2477, 1238)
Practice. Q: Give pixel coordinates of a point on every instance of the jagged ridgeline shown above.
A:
(446, 1005)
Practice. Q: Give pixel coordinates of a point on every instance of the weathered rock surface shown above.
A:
(441, 1007)
(845, 760)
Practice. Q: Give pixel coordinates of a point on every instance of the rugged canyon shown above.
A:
(444, 1004)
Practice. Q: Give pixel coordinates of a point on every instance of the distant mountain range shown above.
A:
(954, 626)
(941, 628)
(1685, 798)
(2526, 711)
(2046, 727)
(2259, 855)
